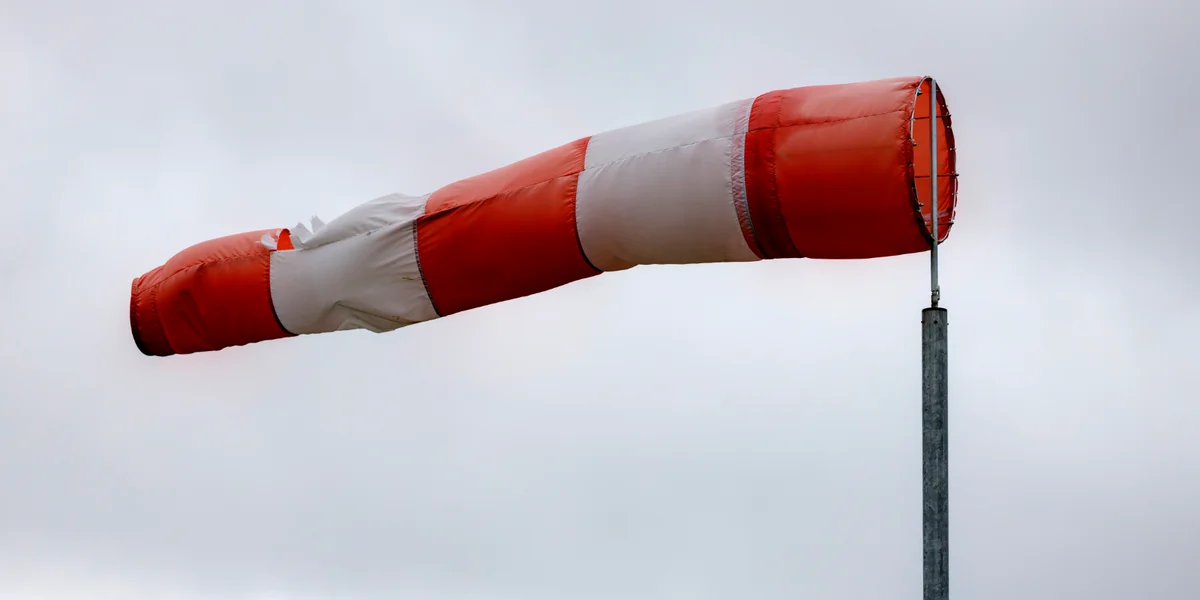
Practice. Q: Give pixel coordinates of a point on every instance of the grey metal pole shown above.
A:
(935, 472)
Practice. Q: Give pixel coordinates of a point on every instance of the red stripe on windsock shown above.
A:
(762, 188)
(833, 165)
(210, 296)
(504, 234)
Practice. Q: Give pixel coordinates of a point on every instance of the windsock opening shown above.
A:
(947, 175)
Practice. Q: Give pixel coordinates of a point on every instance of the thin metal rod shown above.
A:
(935, 472)
(935, 290)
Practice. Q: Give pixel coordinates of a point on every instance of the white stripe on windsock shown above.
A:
(358, 272)
(663, 192)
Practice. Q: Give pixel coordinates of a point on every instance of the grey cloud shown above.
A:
(708, 431)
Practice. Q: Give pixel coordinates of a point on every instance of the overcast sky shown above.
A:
(718, 431)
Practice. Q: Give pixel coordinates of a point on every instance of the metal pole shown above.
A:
(935, 476)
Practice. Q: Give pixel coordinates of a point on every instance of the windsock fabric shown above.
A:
(837, 171)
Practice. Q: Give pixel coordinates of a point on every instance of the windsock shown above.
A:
(831, 171)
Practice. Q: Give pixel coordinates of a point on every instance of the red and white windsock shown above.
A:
(837, 171)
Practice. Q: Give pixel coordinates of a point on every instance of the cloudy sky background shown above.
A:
(718, 431)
